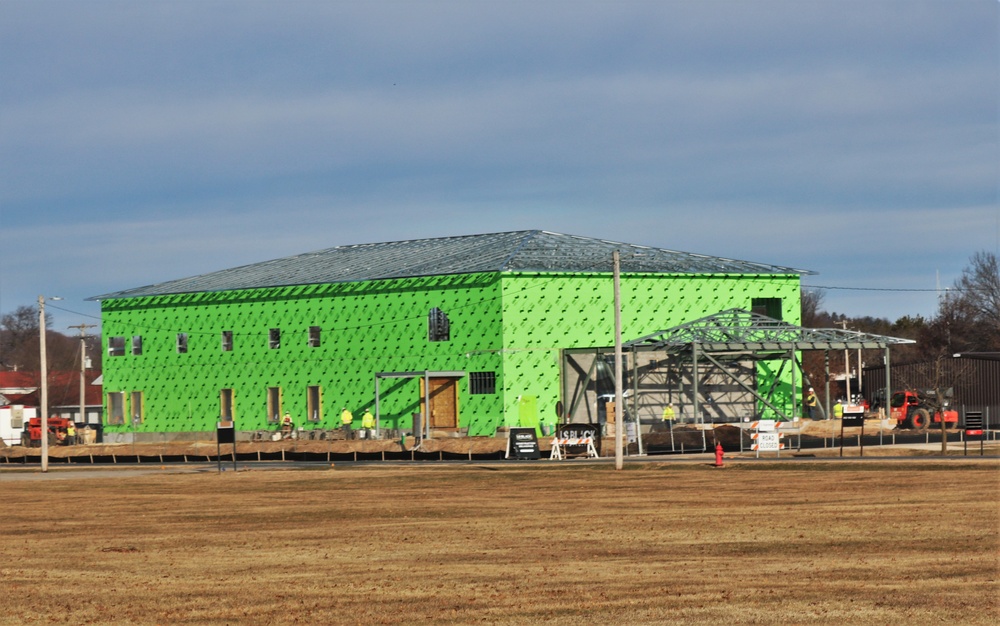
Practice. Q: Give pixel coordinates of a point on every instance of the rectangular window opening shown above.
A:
(314, 407)
(274, 404)
(116, 407)
(771, 307)
(438, 325)
(314, 336)
(227, 341)
(116, 346)
(274, 338)
(481, 383)
(136, 345)
(182, 343)
(138, 411)
(226, 409)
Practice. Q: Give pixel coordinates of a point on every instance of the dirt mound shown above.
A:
(831, 427)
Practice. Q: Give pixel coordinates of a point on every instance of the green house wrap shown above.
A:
(479, 321)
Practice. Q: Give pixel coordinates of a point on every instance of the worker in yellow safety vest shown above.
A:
(71, 434)
(368, 424)
(838, 410)
(346, 418)
(812, 405)
(669, 416)
(286, 425)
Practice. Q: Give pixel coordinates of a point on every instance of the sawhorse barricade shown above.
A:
(559, 446)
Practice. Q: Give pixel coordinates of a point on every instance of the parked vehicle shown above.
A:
(32, 435)
(918, 410)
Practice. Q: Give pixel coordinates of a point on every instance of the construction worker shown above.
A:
(669, 416)
(346, 418)
(368, 425)
(812, 404)
(71, 434)
(838, 410)
(286, 425)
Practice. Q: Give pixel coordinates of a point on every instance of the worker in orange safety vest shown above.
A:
(286, 425)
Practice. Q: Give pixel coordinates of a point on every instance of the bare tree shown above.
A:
(19, 339)
(969, 314)
(19, 349)
(935, 380)
(813, 316)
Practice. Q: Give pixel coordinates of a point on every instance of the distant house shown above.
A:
(19, 388)
(22, 388)
(469, 331)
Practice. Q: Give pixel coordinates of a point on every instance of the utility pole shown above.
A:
(44, 385)
(44, 382)
(619, 403)
(83, 369)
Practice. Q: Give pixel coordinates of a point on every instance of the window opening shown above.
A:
(226, 411)
(274, 338)
(227, 341)
(314, 336)
(116, 346)
(138, 411)
(314, 404)
(482, 382)
(182, 343)
(274, 404)
(771, 307)
(136, 345)
(438, 326)
(116, 407)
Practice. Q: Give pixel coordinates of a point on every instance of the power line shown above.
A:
(891, 289)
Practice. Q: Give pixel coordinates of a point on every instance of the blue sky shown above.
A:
(147, 141)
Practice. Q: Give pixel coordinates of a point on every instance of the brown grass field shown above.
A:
(898, 542)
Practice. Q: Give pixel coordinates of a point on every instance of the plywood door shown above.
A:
(444, 403)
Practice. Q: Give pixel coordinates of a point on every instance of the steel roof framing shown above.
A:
(527, 251)
(738, 334)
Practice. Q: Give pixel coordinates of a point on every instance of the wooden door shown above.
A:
(444, 403)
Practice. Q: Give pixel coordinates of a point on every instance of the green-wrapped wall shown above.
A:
(367, 328)
(546, 312)
(511, 324)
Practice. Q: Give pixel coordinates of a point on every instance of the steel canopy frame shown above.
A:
(426, 375)
(738, 334)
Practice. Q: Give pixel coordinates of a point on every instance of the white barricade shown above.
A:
(559, 445)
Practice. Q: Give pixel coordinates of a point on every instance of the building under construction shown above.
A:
(476, 332)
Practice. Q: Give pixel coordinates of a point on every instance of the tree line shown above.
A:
(967, 320)
(19, 344)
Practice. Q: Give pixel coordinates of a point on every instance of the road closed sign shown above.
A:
(767, 442)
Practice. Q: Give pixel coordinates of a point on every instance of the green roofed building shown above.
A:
(482, 320)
